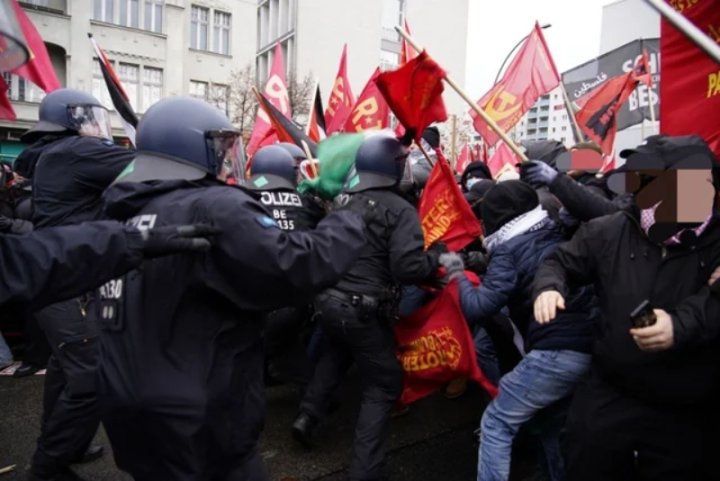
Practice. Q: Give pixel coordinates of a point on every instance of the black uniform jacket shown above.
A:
(182, 337)
(69, 177)
(626, 267)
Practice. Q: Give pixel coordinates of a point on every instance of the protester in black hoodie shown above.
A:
(645, 408)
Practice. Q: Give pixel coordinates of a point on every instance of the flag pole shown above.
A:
(689, 29)
(513, 146)
(312, 106)
(453, 140)
(652, 108)
(571, 112)
(419, 145)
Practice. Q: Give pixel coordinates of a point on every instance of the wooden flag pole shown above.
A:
(652, 108)
(571, 113)
(513, 146)
(419, 145)
(310, 158)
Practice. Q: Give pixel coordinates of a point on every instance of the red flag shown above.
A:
(597, 116)
(444, 213)
(435, 346)
(119, 97)
(370, 111)
(316, 121)
(531, 74)
(690, 87)
(341, 98)
(38, 69)
(503, 159)
(610, 163)
(276, 92)
(463, 159)
(414, 93)
(6, 109)
(407, 52)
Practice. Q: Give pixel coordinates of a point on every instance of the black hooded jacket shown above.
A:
(626, 268)
(182, 337)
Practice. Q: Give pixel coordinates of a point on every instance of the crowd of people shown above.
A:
(163, 300)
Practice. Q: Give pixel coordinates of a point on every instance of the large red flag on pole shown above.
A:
(277, 93)
(532, 73)
(341, 99)
(38, 69)
(414, 93)
(690, 87)
(501, 160)
(407, 53)
(371, 111)
(444, 213)
(597, 116)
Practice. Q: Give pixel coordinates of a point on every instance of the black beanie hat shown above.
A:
(505, 201)
(475, 195)
(432, 136)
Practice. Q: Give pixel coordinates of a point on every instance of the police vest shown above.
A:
(288, 209)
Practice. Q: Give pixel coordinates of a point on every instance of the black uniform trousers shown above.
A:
(611, 436)
(70, 407)
(370, 342)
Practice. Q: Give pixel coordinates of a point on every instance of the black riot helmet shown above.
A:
(273, 167)
(68, 110)
(380, 162)
(184, 138)
(297, 153)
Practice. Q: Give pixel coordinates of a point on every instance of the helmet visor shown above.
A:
(226, 149)
(91, 120)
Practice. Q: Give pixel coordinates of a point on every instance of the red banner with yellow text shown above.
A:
(444, 213)
(435, 346)
(277, 93)
(531, 74)
(341, 98)
(371, 111)
(690, 88)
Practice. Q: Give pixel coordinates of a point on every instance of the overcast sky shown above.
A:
(497, 25)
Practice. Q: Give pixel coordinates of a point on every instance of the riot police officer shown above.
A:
(182, 360)
(357, 313)
(74, 160)
(274, 178)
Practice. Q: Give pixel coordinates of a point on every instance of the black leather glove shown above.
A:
(6, 224)
(175, 239)
(434, 251)
(475, 261)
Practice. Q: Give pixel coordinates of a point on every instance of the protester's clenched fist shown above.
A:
(657, 337)
(546, 306)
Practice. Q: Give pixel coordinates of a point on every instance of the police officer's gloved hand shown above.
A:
(6, 224)
(476, 261)
(537, 173)
(175, 239)
(434, 251)
(454, 264)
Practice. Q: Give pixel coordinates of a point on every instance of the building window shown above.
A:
(564, 117)
(219, 96)
(199, 28)
(130, 76)
(221, 32)
(153, 15)
(130, 13)
(388, 60)
(563, 128)
(152, 86)
(392, 15)
(199, 90)
(103, 10)
(21, 90)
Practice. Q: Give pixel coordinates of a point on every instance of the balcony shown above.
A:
(54, 6)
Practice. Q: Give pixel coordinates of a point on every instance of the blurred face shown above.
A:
(227, 149)
(92, 121)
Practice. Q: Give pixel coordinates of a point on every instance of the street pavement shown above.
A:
(433, 442)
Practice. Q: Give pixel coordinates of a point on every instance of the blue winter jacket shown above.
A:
(508, 282)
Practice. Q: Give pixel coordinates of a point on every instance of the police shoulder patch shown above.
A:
(266, 221)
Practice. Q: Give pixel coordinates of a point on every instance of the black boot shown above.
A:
(303, 428)
(92, 453)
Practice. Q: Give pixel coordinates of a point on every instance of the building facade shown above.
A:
(547, 119)
(312, 34)
(159, 48)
